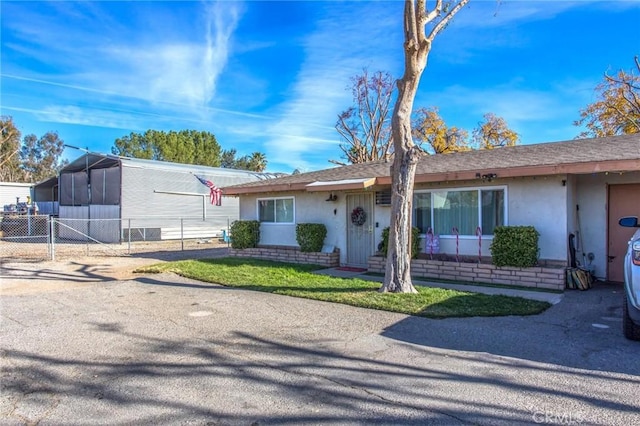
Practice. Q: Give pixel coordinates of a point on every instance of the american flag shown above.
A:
(215, 193)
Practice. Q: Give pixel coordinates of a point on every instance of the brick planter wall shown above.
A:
(539, 277)
(289, 255)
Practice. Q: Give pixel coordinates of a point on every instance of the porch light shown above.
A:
(486, 177)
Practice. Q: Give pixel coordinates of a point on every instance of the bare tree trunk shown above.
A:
(416, 49)
(397, 276)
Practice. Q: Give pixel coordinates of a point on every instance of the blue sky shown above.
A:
(272, 76)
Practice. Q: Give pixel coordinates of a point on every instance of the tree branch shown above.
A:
(445, 20)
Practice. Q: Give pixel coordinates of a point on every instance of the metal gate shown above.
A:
(360, 221)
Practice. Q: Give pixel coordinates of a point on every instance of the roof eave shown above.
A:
(343, 186)
(283, 187)
(612, 166)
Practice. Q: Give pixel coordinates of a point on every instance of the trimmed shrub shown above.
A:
(415, 242)
(245, 234)
(515, 246)
(310, 236)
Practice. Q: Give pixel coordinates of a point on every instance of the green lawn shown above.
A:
(299, 281)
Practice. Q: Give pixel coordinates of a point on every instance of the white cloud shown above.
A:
(150, 58)
(345, 41)
(167, 71)
(68, 114)
(109, 117)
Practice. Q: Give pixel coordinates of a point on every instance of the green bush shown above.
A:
(245, 234)
(515, 246)
(310, 236)
(415, 242)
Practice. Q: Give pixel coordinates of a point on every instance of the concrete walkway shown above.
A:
(544, 296)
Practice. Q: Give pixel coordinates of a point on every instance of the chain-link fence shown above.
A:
(40, 237)
(25, 236)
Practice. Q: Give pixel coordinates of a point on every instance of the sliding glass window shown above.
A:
(276, 210)
(464, 210)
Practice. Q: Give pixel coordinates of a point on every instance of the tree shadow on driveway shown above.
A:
(249, 379)
(582, 331)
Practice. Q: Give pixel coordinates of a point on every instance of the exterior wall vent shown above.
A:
(383, 198)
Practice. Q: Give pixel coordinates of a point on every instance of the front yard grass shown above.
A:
(299, 281)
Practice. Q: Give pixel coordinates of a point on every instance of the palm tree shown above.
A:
(258, 162)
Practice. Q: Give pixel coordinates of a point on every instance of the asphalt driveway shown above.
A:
(161, 349)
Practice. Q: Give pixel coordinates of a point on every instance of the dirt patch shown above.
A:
(27, 277)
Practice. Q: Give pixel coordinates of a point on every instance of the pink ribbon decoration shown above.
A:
(479, 234)
(455, 232)
(430, 242)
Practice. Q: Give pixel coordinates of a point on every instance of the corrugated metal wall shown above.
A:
(48, 207)
(73, 223)
(105, 223)
(153, 193)
(140, 201)
(151, 197)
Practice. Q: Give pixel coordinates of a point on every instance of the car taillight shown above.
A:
(635, 253)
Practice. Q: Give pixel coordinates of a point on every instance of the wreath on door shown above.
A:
(358, 216)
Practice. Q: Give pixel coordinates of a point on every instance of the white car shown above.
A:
(631, 303)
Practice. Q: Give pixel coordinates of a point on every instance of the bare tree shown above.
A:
(417, 45)
(364, 127)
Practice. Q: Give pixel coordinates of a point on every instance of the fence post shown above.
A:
(88, 232)
(52, 231)
(182, 233)
(49, 218)
(129, 238)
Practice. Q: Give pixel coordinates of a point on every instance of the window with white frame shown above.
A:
(461, 209)
(276, 210)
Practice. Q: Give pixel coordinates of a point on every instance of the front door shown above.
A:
(623, 201)
(360, 223)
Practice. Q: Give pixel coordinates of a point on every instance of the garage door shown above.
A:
(624, 200)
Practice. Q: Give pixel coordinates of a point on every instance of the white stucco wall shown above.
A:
(382, 218)
(542, 203)
(592, 199)
(536, 202)
(572, 200)
(310, 207)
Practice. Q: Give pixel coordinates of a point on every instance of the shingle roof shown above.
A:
(610, 154)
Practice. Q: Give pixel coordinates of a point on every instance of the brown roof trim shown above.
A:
(341, 185)
(596, 166)
(558, 169)
(284, 187)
